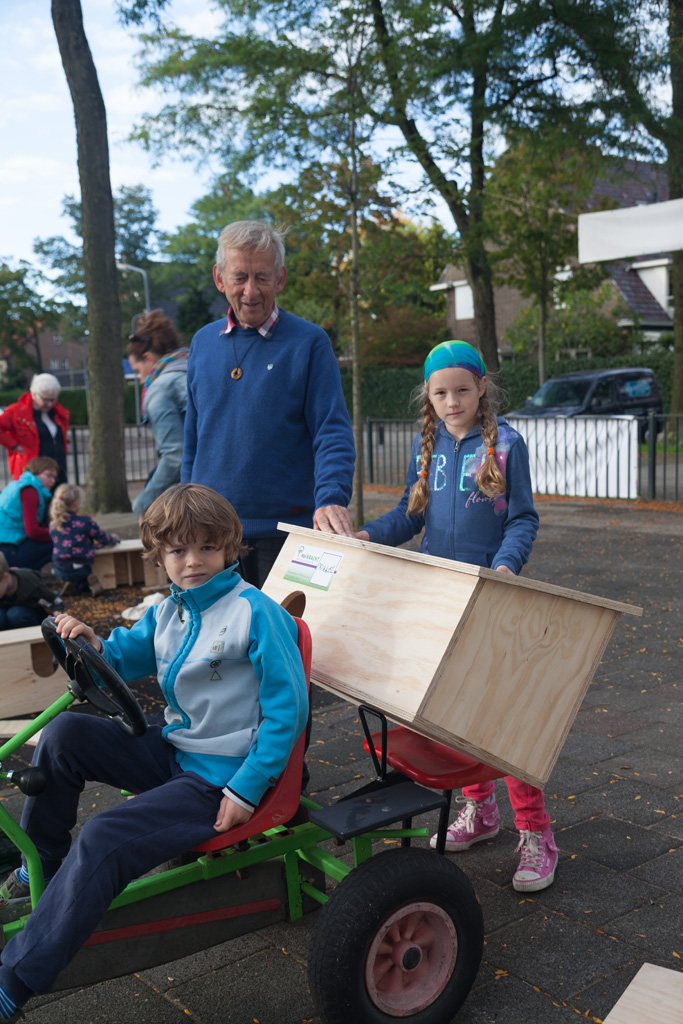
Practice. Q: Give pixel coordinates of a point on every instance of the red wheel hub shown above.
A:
(411, 959)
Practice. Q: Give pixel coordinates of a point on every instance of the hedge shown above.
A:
(75, 400)
(386, 392)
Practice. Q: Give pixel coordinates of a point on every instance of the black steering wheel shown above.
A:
(93, 679)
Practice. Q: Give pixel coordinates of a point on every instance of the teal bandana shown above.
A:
(454, 353)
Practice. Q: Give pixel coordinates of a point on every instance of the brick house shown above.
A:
(642, 284)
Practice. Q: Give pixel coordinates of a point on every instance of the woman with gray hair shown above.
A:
(36, 424)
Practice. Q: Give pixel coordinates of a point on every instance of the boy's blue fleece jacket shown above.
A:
(460, 521)
(232, 677)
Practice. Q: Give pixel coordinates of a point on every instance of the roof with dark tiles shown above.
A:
(625, 183)
(638, 296)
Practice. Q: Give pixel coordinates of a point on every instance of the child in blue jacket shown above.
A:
(228, 664)
(468, 486)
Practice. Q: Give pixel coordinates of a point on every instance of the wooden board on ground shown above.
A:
(29, 679)
(11, 726)
(123, 565)
(490, 664)
(655, 996)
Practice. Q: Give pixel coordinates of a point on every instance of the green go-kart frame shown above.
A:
(399, 936)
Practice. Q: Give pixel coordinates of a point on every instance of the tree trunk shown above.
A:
(675, 176)
(107, 490)
(468, 222)
(357, 508)
(36, 345)
(481, 282)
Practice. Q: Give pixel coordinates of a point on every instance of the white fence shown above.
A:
(586, 457)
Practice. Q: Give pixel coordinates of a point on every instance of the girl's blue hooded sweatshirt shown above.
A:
(461, 522)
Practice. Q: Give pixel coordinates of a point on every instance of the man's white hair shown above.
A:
(252, 234)
(45, 384)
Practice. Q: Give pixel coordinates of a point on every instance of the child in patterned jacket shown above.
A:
(75, 538)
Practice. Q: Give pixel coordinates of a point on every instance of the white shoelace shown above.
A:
(532, 854)
(467, 814)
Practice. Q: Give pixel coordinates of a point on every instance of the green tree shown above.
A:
(306, 73)
(24, 311)
(635, 51)
(135, 243)
(535, 193)
(587, 320)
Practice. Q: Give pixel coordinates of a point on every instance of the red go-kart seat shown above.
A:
(282, 800)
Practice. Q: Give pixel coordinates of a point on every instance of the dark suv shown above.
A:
(632, 392)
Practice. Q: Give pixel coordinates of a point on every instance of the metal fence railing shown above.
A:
(586, 456)
(140, 450)
(570, 463)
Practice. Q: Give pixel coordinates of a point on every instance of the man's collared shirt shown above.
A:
(266, 328)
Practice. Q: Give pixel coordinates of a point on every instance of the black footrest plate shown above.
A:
(376, 806)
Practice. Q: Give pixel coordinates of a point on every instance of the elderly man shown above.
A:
(266, 422)
(36, 424)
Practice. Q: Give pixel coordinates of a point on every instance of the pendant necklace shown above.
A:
(237, 372)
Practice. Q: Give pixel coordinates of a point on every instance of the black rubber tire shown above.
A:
(358, 910)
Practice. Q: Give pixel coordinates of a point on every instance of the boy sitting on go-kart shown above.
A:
(228, 664)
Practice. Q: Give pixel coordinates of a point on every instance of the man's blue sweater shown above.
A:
(277, 443)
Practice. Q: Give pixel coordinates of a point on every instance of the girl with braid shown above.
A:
(468, 486)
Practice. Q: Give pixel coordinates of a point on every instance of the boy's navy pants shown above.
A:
(174, 811)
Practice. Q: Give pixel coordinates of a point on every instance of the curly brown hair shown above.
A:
(184, 510)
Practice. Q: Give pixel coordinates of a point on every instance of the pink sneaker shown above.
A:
(475, 822)
(537, 862)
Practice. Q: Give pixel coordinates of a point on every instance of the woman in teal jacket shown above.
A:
(24, 539)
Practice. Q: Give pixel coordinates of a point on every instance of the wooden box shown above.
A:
(123, 565)
(29, 680)
(491, 664)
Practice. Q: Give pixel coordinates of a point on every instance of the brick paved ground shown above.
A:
(616, 799)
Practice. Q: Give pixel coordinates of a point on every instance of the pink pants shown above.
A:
(528, 803)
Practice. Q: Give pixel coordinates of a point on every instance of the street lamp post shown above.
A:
(138, 269)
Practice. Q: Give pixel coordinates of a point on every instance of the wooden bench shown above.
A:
(123, 566)
(29, 680)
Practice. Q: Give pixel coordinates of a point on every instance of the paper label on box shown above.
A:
(313, 567)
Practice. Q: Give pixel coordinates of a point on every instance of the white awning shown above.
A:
(634, 231)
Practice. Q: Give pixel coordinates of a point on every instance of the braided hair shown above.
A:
(489, 478)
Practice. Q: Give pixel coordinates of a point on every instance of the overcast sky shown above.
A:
(37, 133)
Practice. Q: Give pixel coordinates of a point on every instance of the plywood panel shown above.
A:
(22, 689)
(536, 653)
(655, 996)
(381, 628)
